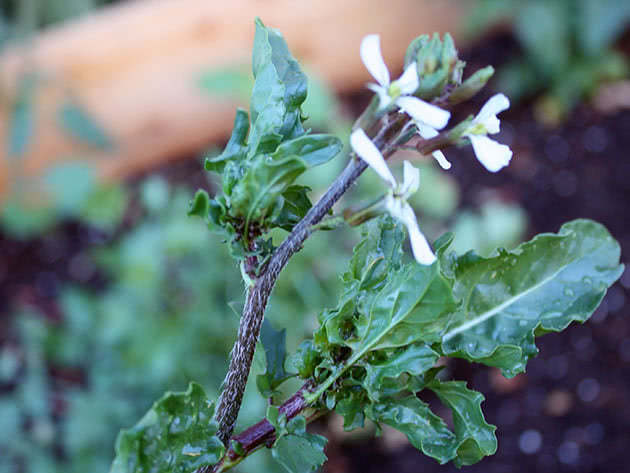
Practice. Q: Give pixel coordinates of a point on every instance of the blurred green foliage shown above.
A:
(66, 191)
(567, 48)
(497, 225)
(165, 316)
(21, 15)
(164, 319)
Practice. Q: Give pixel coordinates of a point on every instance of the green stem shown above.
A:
(329, 223)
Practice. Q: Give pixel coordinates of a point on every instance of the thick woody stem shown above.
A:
(260, 434)
(258, 294)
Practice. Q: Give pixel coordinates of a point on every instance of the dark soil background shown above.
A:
(569, 411)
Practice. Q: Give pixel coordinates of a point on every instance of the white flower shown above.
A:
(426, 132)
(491, 154)
(399, 91)
(396, 201)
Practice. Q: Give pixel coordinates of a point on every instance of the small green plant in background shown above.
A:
(567, 45)
(378, 346)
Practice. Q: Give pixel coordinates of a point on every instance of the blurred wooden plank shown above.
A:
(135, 68)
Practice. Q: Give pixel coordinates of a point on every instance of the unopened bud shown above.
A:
(449, 53)
(414, 48)
(438, 64)
(471, 86)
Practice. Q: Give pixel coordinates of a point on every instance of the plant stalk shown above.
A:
(258, 295)
(387, 139)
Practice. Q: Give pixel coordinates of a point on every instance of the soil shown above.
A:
(568, 412)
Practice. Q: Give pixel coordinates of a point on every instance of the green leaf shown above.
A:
(176, 435)
(381, 311)
(313, 149)
(305, 359)
(276, 419)
(79, 123)
(426, 431)
(274, 344)
(278, 92)
(236, 148)
(351, 406)
(475, 437)
(258, 194)
(296, 205)
(541, 286)
(200, 205)
(381, 378)
(378, 252)
(411, 307)
(299, 451)
(266, 154)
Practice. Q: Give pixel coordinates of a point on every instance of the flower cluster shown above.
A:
(400, 92)
(428, 119)
(396, 200)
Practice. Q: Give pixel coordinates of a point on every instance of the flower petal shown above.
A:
(492, 125)
(426, 132)
(408, 81)
(394, 205)
(424, 112)
(411, 179)
(383, 95)
(419, 245)
(488, 113)
(373, 59)
(368, 152)
(491, 154)
(441, 159)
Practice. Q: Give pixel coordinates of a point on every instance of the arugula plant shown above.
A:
(380, 345)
